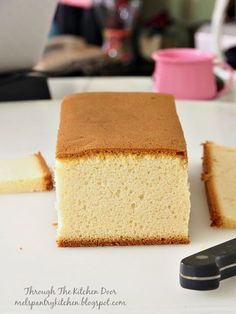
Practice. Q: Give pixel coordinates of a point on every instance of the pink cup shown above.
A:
(188, 73)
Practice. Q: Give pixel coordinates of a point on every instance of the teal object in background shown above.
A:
(54, 30)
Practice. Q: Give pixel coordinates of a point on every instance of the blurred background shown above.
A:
(118, 37)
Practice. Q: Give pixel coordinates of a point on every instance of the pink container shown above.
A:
(188, 73)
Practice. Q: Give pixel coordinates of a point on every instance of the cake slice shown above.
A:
(27, 174)
(121, 171)
(219, 175)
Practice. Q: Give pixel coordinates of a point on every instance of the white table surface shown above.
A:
(60, 87)
(146, 278)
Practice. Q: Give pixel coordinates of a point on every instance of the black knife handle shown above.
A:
(205, 269)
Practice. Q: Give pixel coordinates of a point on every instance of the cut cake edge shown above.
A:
(216, 215)
(47, 176)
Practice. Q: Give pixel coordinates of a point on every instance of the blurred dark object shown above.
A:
(117, 14)
(219, 83)
(151, 37)
(117, 19)
(115, 68)
(159, 21)
(230, 55)
(79, 22)
(230, 11)
(137, 68)
(65, 54)
(161, 31)
(23, 86)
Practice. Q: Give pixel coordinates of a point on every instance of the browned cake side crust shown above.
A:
(47, 176)
(211, 193)
(132, 123)
(122, 241)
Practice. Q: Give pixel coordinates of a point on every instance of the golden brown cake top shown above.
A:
(107, 122)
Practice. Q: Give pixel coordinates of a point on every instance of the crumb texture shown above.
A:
(26, 174)
(219, 176)
(122, 200)
(94, 123)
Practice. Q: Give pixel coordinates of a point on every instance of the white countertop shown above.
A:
(60, 87)
(146, 277)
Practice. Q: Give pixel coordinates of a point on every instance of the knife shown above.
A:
(204, 270)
